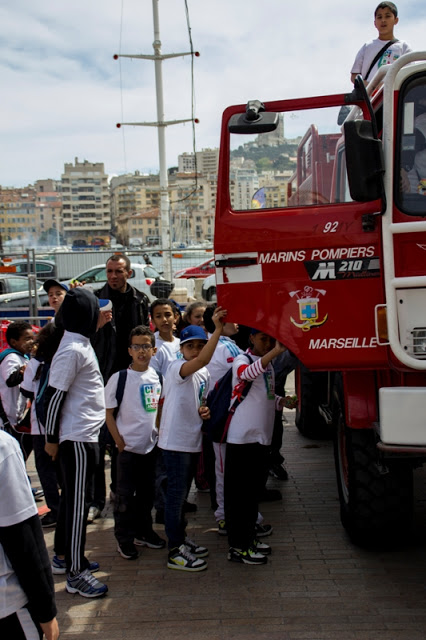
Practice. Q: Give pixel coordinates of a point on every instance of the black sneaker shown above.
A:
(263, 530)
(127, 550)
(246, 556)
(48, 520)
(181, 559)
(279, 472)
(221, 528)
(195, 549)
(151, 540)
(261, 547)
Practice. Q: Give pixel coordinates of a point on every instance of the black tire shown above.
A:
(376, 497)
(311, 391)
(211, 294)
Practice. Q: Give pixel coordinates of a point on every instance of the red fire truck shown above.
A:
(339, 276)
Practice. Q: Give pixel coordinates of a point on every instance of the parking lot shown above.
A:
(316, 585)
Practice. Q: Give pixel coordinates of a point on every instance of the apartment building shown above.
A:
(18, 216)
(86, 208)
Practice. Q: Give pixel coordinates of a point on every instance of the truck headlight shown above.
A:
(419, 342)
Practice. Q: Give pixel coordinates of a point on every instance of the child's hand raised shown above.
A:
(279, 348)
(218, 316)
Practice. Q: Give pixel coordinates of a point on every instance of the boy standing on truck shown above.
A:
(375, 53)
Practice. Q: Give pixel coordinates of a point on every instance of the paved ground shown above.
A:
(317, 585)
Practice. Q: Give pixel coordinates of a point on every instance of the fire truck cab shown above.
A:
(336, 270)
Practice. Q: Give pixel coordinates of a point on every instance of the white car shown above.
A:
(144, 278)
(208, 290)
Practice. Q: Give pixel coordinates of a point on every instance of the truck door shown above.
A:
(292, 255)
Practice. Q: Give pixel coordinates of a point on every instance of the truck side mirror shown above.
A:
(364, 161)
(254, 120)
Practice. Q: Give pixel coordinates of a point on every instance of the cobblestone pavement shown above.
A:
(316, 585)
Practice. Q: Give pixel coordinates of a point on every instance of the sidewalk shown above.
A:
(316, 585)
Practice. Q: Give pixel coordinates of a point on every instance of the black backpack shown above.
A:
(221, 410)
(40, 397)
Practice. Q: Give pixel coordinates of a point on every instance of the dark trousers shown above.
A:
(99, 486)
(77, 461)
(20, 626)
(180, 468)
(244, 474)
(47, 472)
(134, 496)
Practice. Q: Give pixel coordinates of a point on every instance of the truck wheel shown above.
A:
(311, 391)
(211, 294)
(376, 499)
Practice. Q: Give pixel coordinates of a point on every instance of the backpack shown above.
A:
(40, 397)
(24, 425)
(221, 410)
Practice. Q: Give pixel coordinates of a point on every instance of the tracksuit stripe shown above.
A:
(79, 505)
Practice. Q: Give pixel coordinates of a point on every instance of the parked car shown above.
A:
(45, 269)
(144, 277)
(208, 289)
(9, 283)
(199, 271)
(21, 299)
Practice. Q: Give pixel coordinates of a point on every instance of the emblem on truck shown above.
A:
(308, 300)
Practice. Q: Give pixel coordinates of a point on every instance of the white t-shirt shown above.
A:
(222, 358)
(16, 505)
(138, 409)
(75, 369)
(180, 427)
(11, 397)
(368, 52)
(29, 384)
(167, 352)
(253, 420)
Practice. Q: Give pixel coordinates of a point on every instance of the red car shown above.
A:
(202, 270)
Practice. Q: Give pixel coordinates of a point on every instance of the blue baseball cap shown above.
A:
(193, 332)
(104, 304)
(54, 283)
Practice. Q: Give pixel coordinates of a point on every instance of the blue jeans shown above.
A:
(179, 466)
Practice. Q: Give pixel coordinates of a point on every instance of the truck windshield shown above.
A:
(293, 166)
(410, 180)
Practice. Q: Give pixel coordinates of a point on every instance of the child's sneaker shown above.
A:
(127, 550)
(86, 585)
(263, 530)
(246, 556)
(152, 541)
(221, 528)
(59, 566)
(261, 547)
(180, 558)
(197, 550)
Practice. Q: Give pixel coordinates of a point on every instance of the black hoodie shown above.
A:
(79, 312)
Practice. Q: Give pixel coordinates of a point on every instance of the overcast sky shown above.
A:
(62, 93)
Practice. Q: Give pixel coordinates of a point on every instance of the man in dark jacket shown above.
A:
(130, 308)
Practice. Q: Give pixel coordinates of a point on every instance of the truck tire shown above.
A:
(211, 294)
(376, 498)
(311, 391)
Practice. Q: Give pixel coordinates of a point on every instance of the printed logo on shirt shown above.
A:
(201, 391)
(270, 388)
(150, 394)
(387, 58)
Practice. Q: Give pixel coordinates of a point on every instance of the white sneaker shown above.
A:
(94, 513)
(180, 558)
